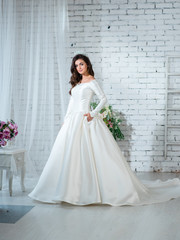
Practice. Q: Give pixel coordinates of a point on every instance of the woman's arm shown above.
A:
(100, 94)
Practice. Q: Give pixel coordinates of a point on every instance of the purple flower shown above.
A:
(11, 126)
(1, 135)
(6, 133)
(15, 132)
(3, 143)
(2, 124)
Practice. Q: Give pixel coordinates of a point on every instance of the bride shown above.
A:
(86, 165)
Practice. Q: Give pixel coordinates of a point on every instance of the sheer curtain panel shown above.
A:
(33, 73)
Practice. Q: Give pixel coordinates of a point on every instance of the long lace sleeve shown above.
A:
(100, 94)
(69, 108)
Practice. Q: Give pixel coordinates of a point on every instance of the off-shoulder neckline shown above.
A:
(87, 82)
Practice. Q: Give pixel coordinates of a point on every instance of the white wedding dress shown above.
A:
(86, 165)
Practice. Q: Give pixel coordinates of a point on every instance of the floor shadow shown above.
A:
(12, 213)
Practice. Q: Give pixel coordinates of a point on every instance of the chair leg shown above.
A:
(1, 174)
(22, 178)
(10, 176)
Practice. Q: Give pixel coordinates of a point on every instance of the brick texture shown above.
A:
(127, 42)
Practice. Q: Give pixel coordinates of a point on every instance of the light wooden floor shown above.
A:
(68, 222)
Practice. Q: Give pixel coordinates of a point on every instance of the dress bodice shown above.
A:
(81, 97)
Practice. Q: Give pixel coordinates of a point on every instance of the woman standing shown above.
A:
(86, 165)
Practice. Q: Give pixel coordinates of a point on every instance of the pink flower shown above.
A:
(3, 143)
(1, 135)
(11, 126)
(2, 124)
(15, 132)
(6, 133)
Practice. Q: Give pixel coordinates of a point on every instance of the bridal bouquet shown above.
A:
(8, 131)
(112, 120)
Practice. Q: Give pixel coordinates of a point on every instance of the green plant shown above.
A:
(112, 120)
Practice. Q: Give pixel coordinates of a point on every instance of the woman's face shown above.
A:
(81, 67)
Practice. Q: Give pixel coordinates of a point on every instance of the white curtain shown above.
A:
(7, 56)
(33, 73)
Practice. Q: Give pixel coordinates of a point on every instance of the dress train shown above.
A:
(86, 165)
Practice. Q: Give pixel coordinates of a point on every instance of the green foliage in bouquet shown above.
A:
(112, 120)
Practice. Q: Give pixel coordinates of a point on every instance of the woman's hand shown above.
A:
(89, 118)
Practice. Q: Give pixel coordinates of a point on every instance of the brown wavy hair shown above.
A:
(76, 77)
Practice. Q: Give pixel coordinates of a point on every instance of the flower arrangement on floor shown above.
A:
(8, 131)
(112, 120)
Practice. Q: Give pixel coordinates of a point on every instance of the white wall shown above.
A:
(127, 42)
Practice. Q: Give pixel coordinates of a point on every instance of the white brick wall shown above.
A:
(127, 42)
